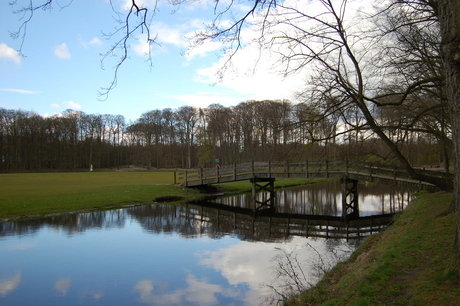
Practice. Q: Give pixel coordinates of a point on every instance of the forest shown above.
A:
(188, 137)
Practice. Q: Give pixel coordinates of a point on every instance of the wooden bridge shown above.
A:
(263, 174)
(337, 169)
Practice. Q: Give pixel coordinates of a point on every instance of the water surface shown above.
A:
(172, 255)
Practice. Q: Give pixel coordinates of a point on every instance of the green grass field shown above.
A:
(33, 194)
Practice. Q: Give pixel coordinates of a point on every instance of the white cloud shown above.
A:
(261, 73)
(204, 99)
(21, 91)
(62, 51)
(142, 47)
(178, 36)
(165, 35)
(9, 54)
(203, 50)
(95, 41)
(252, 74)
(72, 105)
(54, 105)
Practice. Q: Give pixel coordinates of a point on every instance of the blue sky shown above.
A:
(62, 64)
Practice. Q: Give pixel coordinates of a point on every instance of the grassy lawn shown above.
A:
(32, 194)
(45, 193)
(410, 263)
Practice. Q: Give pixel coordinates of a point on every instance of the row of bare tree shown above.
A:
(192, 137)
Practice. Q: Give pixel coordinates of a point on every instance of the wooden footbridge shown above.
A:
(337, 169)
(263, 174)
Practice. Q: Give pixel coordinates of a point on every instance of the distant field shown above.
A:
(27, 194)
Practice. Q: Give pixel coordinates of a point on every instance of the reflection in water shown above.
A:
(9, 284)
(62, 285)
(176, 255)
(325, 199)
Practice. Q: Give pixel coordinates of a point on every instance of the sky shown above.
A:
(61, 64)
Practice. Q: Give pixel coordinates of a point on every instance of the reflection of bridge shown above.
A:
(263, 174)
(273, 226)
(192, 220)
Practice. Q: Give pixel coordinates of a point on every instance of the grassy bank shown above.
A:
(410, 263)
(34, 194)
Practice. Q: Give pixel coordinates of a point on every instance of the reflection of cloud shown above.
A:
(9, 284)
(202, 293)
(253, 263)
(244, 263)
(144, 287)
(96, 295)
(21, 246)
(198, 291)
(62, 285)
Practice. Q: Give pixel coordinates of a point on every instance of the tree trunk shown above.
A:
(449, 19)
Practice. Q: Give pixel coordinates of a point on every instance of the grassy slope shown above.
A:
(410, 263)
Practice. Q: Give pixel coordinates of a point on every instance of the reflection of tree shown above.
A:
(162, 219)
(292, 276)
(70, 224)
(233, 216)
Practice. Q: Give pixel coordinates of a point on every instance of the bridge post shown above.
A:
(268, 186)
(350, 204)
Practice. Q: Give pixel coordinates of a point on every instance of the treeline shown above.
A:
(193, 137)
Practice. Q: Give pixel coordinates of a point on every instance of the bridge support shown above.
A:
(350, 204)
(268, 202)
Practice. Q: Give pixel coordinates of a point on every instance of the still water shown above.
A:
(177, 255)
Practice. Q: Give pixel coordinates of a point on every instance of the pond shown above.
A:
(189, 254)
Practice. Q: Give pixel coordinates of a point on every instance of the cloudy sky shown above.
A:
(61, 67)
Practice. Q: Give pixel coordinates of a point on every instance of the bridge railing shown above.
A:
(234, 172)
